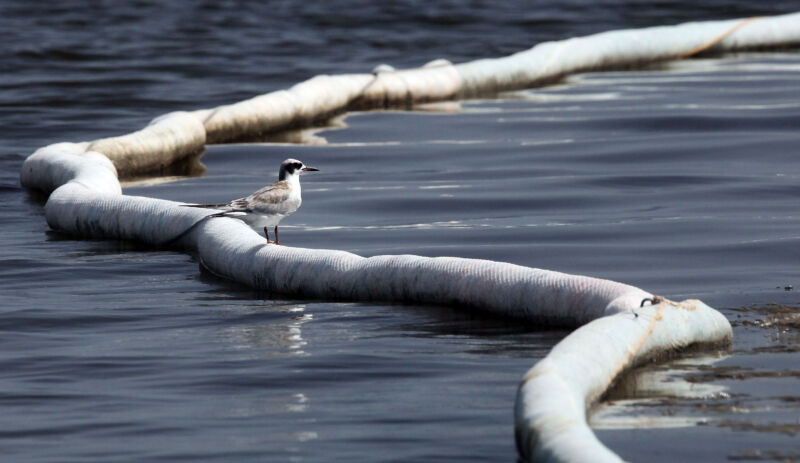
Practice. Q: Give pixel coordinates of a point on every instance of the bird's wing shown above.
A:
(208, 206)
(273, 199)
(276, 193)
(240, 205)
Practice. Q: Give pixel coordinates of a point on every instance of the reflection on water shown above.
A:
(188, 167)
(298, 136)
(310, 136)
(269, 405)
(269, 338)
(646, 396)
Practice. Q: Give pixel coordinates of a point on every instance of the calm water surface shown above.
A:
(681, 179)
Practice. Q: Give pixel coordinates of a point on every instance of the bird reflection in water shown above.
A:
(259, 335)
(277, 336)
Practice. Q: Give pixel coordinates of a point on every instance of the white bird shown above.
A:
(267, 206)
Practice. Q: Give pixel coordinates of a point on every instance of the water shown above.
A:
(681, 179)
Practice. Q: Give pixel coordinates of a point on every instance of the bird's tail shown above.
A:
(225, 208)
(206, 206)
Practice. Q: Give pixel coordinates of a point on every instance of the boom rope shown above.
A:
(716, 40)
(619, 325)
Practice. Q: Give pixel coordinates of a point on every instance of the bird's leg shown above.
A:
(276, 235)
(266, 233)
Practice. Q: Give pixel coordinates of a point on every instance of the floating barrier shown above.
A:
(620, 326)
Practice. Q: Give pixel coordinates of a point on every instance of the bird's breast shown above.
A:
(260, 220)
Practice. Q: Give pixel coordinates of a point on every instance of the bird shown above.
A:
(268, 205)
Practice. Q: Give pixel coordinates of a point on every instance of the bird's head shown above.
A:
(292, 167)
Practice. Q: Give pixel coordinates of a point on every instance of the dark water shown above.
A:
(681, 179)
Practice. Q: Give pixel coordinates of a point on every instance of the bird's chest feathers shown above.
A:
(294, 194)
(294, 198)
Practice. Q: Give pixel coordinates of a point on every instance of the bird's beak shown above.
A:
(309, 169)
